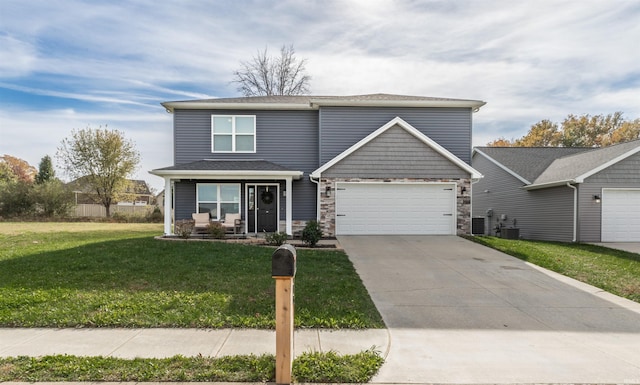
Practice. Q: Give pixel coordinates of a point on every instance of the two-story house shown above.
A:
(365, 164)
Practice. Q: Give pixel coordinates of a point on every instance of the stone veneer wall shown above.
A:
(328, 204)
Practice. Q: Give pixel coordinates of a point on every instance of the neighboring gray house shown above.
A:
(365, 164)
(560, 194)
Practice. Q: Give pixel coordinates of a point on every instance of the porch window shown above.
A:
(233, 133)
(218, 199)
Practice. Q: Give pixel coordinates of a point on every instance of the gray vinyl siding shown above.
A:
(625, 173)
(287, 138)
(341, 127)
(185, 199)
(540, 214)
(397, 154)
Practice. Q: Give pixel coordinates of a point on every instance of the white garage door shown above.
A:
(390, 208)
(620, 215)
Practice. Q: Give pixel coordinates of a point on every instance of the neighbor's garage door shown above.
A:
(390, 208)
(620, 215)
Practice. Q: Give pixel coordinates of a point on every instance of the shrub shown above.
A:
(184, 228)
(155, 216)
(276, 239)
(311, 233)
(52, 198)
(216, 230)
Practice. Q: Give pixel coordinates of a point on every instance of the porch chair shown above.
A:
(201, 221)
(232, 223)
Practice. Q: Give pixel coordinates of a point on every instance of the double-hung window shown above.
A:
(233, 133)
(218, 199)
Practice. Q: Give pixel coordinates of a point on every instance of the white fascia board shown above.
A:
(413, 131)
(226, 174)
(473, 104)
(581, 178)
(502, 166)
(171, 106)
(550, 184)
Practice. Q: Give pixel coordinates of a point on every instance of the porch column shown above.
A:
(168, 200)
(289, 205)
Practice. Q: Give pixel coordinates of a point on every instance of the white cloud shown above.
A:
(529, 60)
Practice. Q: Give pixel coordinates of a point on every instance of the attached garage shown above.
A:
(621, 215)
(395, 208)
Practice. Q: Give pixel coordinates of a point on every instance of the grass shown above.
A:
(309, 367)
(615, 271)
(117, 275)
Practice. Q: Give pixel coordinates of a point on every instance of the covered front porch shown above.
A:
(260, 191)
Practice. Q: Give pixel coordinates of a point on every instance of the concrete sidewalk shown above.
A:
(160, 343)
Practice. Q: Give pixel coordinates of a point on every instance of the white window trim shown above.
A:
(233, 134)
(219, 202)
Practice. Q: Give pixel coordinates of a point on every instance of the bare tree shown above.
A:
(273, 75)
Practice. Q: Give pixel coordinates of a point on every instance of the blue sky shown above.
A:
(69, 64)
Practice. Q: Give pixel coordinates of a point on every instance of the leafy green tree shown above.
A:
(104, 157)
(16, 198)
(45, 170)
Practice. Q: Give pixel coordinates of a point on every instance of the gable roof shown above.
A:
(541, 167)
(230, 169)
(526, 163)
(397, 121)
(576, 168)
(134, 186)
(309, 102)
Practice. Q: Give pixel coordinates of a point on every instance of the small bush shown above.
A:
(184, 228)
(276, 239)
(216, 230)
(312, 233)
(155, 216)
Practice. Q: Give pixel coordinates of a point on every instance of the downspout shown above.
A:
(575, 211)
(317, 182)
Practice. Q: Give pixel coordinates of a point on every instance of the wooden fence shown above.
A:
(92, 210)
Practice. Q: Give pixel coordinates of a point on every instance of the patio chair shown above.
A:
(232, 223)
(201, 221)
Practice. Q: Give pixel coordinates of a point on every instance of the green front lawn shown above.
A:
(308, 367)
(117, 275)
(615, 271)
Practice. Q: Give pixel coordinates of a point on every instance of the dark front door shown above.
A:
(267, 208)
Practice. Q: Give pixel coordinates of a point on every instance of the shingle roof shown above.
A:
(312, 101)
(529, 162)
(575, 166)
(226, 165)
(545, 166)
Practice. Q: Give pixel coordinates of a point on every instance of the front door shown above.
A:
(263, 208)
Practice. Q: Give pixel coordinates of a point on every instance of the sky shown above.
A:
(67, 64)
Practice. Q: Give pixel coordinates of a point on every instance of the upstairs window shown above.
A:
(233, 133)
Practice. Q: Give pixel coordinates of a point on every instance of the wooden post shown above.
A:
(284, 329)
(283, 269)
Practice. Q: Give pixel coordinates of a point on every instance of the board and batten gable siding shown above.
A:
(395, 154)
(545, 214)
(287, 138)
(342, 127)
(624, 174)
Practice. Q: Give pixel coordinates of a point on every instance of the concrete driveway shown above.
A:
(458, 312)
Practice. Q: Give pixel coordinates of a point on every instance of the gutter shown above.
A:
(575, 211)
